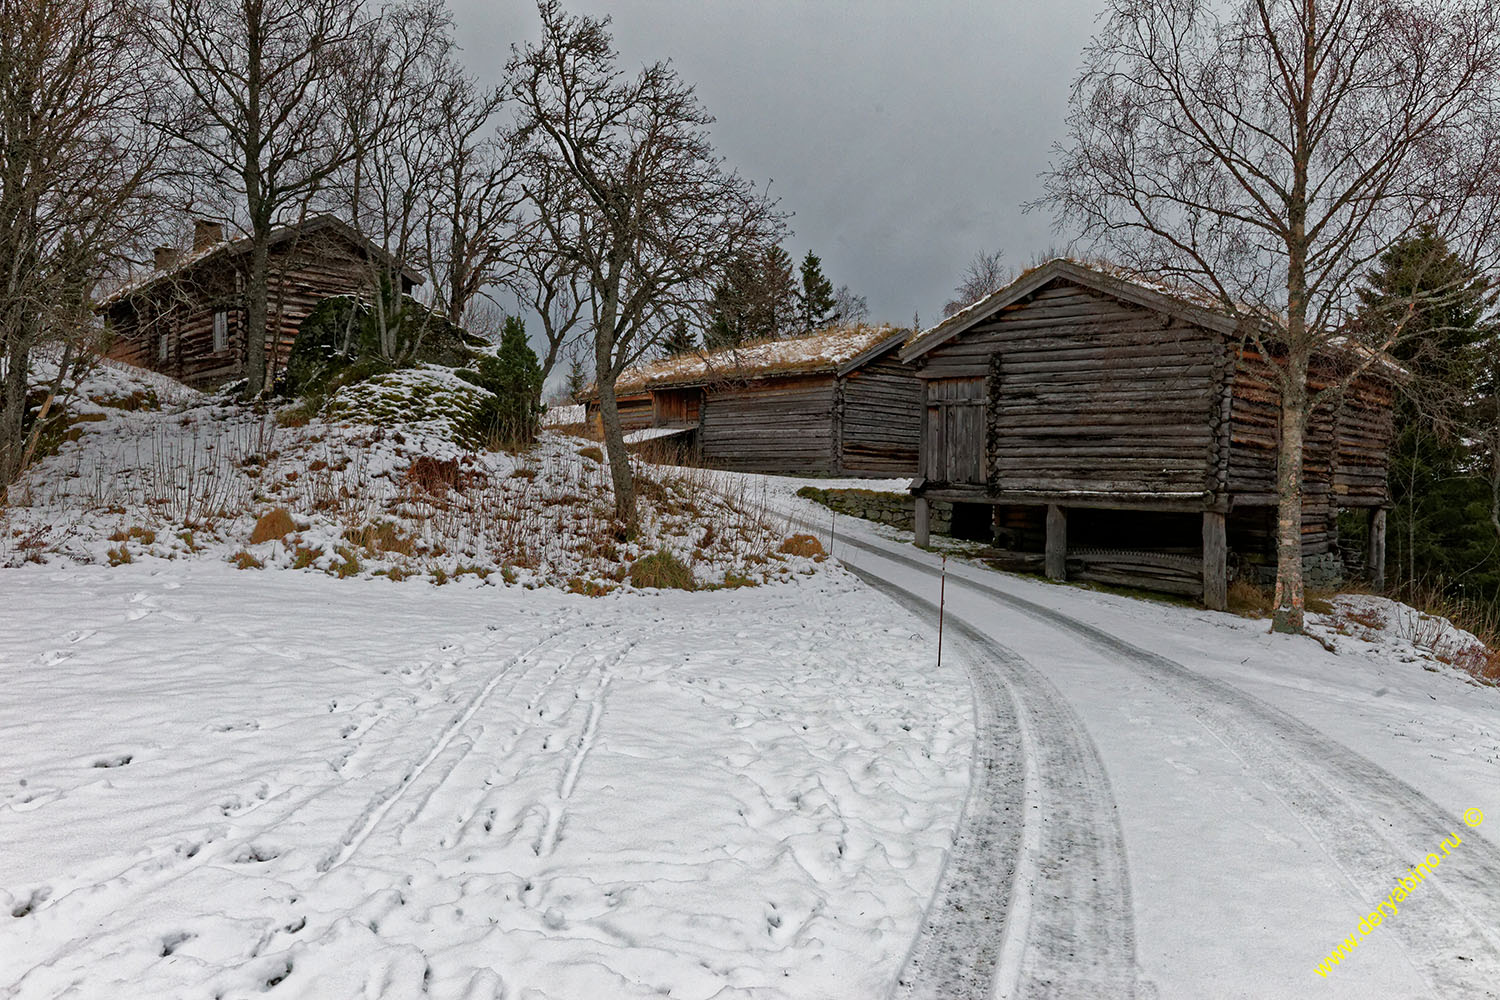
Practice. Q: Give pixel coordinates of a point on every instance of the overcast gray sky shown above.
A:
(903, 134)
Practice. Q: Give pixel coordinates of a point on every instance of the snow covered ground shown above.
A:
(218, 782)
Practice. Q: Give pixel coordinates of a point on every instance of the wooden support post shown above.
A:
(1057, 543)
(921, 525)
(1376, 560)
(1215, 562)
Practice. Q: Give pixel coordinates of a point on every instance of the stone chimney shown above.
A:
(207, 232)
(165, 257)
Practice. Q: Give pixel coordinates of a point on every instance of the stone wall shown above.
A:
(896, 509)
(1320, 572)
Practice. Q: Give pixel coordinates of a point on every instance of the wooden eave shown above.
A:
(892, 342)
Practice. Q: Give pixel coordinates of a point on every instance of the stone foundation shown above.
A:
(895, 509)
(1320, 572)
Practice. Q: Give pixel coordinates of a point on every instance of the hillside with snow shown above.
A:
(339, 708)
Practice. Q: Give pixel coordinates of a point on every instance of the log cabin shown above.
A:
(186, 318)
(837, 402)
(1098, 427)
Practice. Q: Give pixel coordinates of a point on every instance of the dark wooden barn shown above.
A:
(836, 402)
(187, 318)
(1105, 429)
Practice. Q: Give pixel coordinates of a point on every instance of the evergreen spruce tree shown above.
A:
(679, 340)
(755, 300)
(777, 304)
(577, 385)
(729, 320)
(1435, 305)
(816, 297)
(514, 375)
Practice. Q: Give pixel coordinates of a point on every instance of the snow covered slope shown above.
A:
(218, 782)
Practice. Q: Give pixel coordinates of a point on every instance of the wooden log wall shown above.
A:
(1344, 450)
(1089, 393)
(303, 273)
(676, 406)
(635, 411)
(879, 419)
(781, 425)
(1365, 429)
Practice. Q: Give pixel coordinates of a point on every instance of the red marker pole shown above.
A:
(942, 596)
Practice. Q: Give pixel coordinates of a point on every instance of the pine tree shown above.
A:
(816, 297)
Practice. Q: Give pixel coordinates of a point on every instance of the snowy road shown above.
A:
(1320, 814)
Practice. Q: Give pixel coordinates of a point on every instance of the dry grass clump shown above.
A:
(592, 453)
(662, 570)
(1251, 600)
(803, 545)
(383, 538)
(436, 477)
(244, 560)
(1421, 627)
(273, 525)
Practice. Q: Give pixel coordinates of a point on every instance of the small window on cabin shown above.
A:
(221, 330)
(162, 347)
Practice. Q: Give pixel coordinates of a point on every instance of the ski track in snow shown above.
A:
(721, 795)
(1369, 822)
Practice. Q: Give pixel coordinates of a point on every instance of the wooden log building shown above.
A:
(187, 318)
(835, 402)
(1115, 431)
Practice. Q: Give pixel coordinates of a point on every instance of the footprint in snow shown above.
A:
(116, 760)
(53, 657)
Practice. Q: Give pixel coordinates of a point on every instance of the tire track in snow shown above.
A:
(1034, 900)
(1371, 824)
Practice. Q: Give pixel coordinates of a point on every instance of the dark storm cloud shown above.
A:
(903, 135)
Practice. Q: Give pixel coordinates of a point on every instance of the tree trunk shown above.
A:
(1290, 600)
(609, 410)
(13, 412)
(614, 444)
(257, 294)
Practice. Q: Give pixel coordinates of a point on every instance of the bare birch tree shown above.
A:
(549, 275)
(76, 163)
(984, 274)
(648, 210)
(262, 86)
(1261, 153)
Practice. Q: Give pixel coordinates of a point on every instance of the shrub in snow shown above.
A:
(344, 341)
(662, 570)
(803, 545)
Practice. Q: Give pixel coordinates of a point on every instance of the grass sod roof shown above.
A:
(241, 245)
(831, 351)
(1189, 304)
